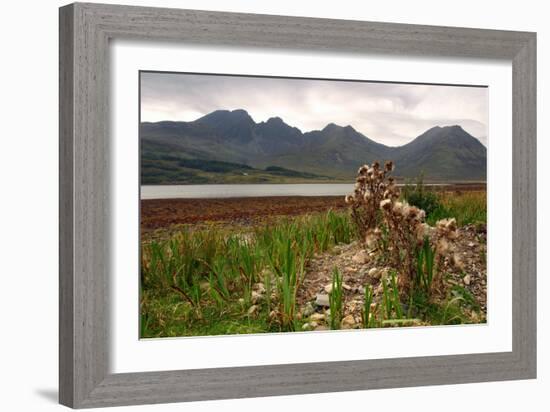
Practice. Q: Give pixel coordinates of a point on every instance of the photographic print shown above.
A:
(271, 204)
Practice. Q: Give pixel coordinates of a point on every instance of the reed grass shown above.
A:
(213, 269)
(390, 298)
(336, 300)
(425, 265)
(368, 317)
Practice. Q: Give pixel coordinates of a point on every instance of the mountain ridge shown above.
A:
(441, 152)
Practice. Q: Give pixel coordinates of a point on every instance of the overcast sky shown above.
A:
(389, 113)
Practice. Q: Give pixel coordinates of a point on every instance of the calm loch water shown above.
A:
(244, 190)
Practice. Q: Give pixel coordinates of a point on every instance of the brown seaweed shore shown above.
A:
(163, 213)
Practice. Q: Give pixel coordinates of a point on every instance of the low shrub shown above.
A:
(418, 195)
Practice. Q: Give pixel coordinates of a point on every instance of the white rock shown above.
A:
(322, 300)
(467, 279)
(328, 288)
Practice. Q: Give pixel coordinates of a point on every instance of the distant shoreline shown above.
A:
(232, 191)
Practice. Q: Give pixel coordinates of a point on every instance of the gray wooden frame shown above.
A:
(85, 31)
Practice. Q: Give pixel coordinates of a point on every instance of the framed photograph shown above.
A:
(256, 205)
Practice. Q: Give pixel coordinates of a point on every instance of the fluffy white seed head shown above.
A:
(397, 208)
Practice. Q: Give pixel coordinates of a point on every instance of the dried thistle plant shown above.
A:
(372, 185)
(375, 205)
(404, 224)
(443, 239)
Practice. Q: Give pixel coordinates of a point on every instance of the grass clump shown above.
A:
(467, 208)
(289, 275)
(336, 300)
(367, 315)
(391, 300)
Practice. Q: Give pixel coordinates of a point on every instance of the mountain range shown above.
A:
(229, 146)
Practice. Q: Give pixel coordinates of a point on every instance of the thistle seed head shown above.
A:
(413, 212)
(363, 170)
(397, 208)
(385, 204)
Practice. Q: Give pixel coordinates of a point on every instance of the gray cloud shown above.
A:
(389, 113)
